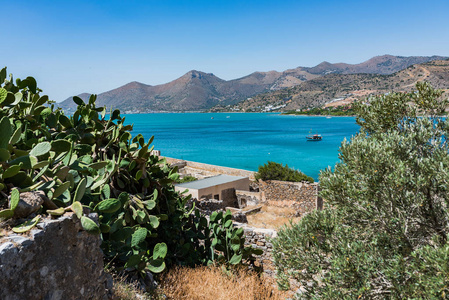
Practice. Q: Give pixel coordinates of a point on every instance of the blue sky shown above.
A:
(72, 47)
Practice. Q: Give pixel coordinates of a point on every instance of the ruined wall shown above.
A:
(246, 198)
(302, 196)
(260, 238)
(55, 260)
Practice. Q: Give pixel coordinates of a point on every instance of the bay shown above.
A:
(246, 140)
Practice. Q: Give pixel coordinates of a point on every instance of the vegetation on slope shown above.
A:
(328, 111)
(319, 91)
(384, 231)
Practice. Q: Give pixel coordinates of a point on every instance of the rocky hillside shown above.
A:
(341, 89)
(198, 90)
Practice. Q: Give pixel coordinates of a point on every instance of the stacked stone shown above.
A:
(55, 260)
(260, 238)
(300, 195)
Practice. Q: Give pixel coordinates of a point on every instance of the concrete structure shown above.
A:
(218, 187)
(201, 170)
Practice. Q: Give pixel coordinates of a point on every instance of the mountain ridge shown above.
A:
(342, 89)
(196, 90)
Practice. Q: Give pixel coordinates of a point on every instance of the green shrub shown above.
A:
(385, 232)
(187, 178)
(276, 171)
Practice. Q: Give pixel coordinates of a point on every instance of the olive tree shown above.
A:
(384, 231)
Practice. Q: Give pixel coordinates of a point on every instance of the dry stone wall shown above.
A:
(302, 196)
(55, 260)
(260, 238)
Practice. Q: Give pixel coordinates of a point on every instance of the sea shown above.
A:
(247, 140)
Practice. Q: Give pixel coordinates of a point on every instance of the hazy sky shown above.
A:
(79, 46)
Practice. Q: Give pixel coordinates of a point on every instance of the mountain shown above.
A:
(341, 89)
(385, 64)
(199, 91)
(193, 91)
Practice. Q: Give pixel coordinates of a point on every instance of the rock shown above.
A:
(29, 203)
(148, 283)
(59, 261)
(239, 217)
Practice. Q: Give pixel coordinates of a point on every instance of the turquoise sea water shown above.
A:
(246, 140)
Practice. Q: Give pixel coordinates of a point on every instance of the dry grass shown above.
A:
(204, 283)
(272, 217)
(128, 289)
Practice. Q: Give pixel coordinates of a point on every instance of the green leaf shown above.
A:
(138, 174)
(109, 205)
(24, 227)
(40, 149)
(77, 208)
(11, 171)
(98, 165)
(15, 198)
(235, 259)
(6, 214)
(156, 266)
(228, 223)
(78, 100)
(27, 161)
(4, 154)
(80, 190)
(16, 136)
(133, 261)
(2, 75)
(61, 189)
(5, 132)
(64, 121)
(89, 225)
(213, 216)
(41, 164)
(3, 93)
(32, 84)
(154, 221)
(106, 191)
(150, 204)
(138, 237)
(159, 251)
(60, 146)
(57, 212)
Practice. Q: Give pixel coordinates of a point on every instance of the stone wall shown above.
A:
(260, 238)
(55, 260)
(246, 198)
(302, 196)
(200, 170)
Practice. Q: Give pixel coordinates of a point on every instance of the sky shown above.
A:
(72, 47)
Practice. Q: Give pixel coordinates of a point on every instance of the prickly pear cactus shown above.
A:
(90, 161)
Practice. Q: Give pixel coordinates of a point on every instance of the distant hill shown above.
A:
(341, 89)
(199, 91)
(385, 64)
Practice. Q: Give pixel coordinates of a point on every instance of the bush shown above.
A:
(187, 178)
(275, 171)
(385, 232)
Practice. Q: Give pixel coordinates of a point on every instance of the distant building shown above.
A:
(218, 187)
